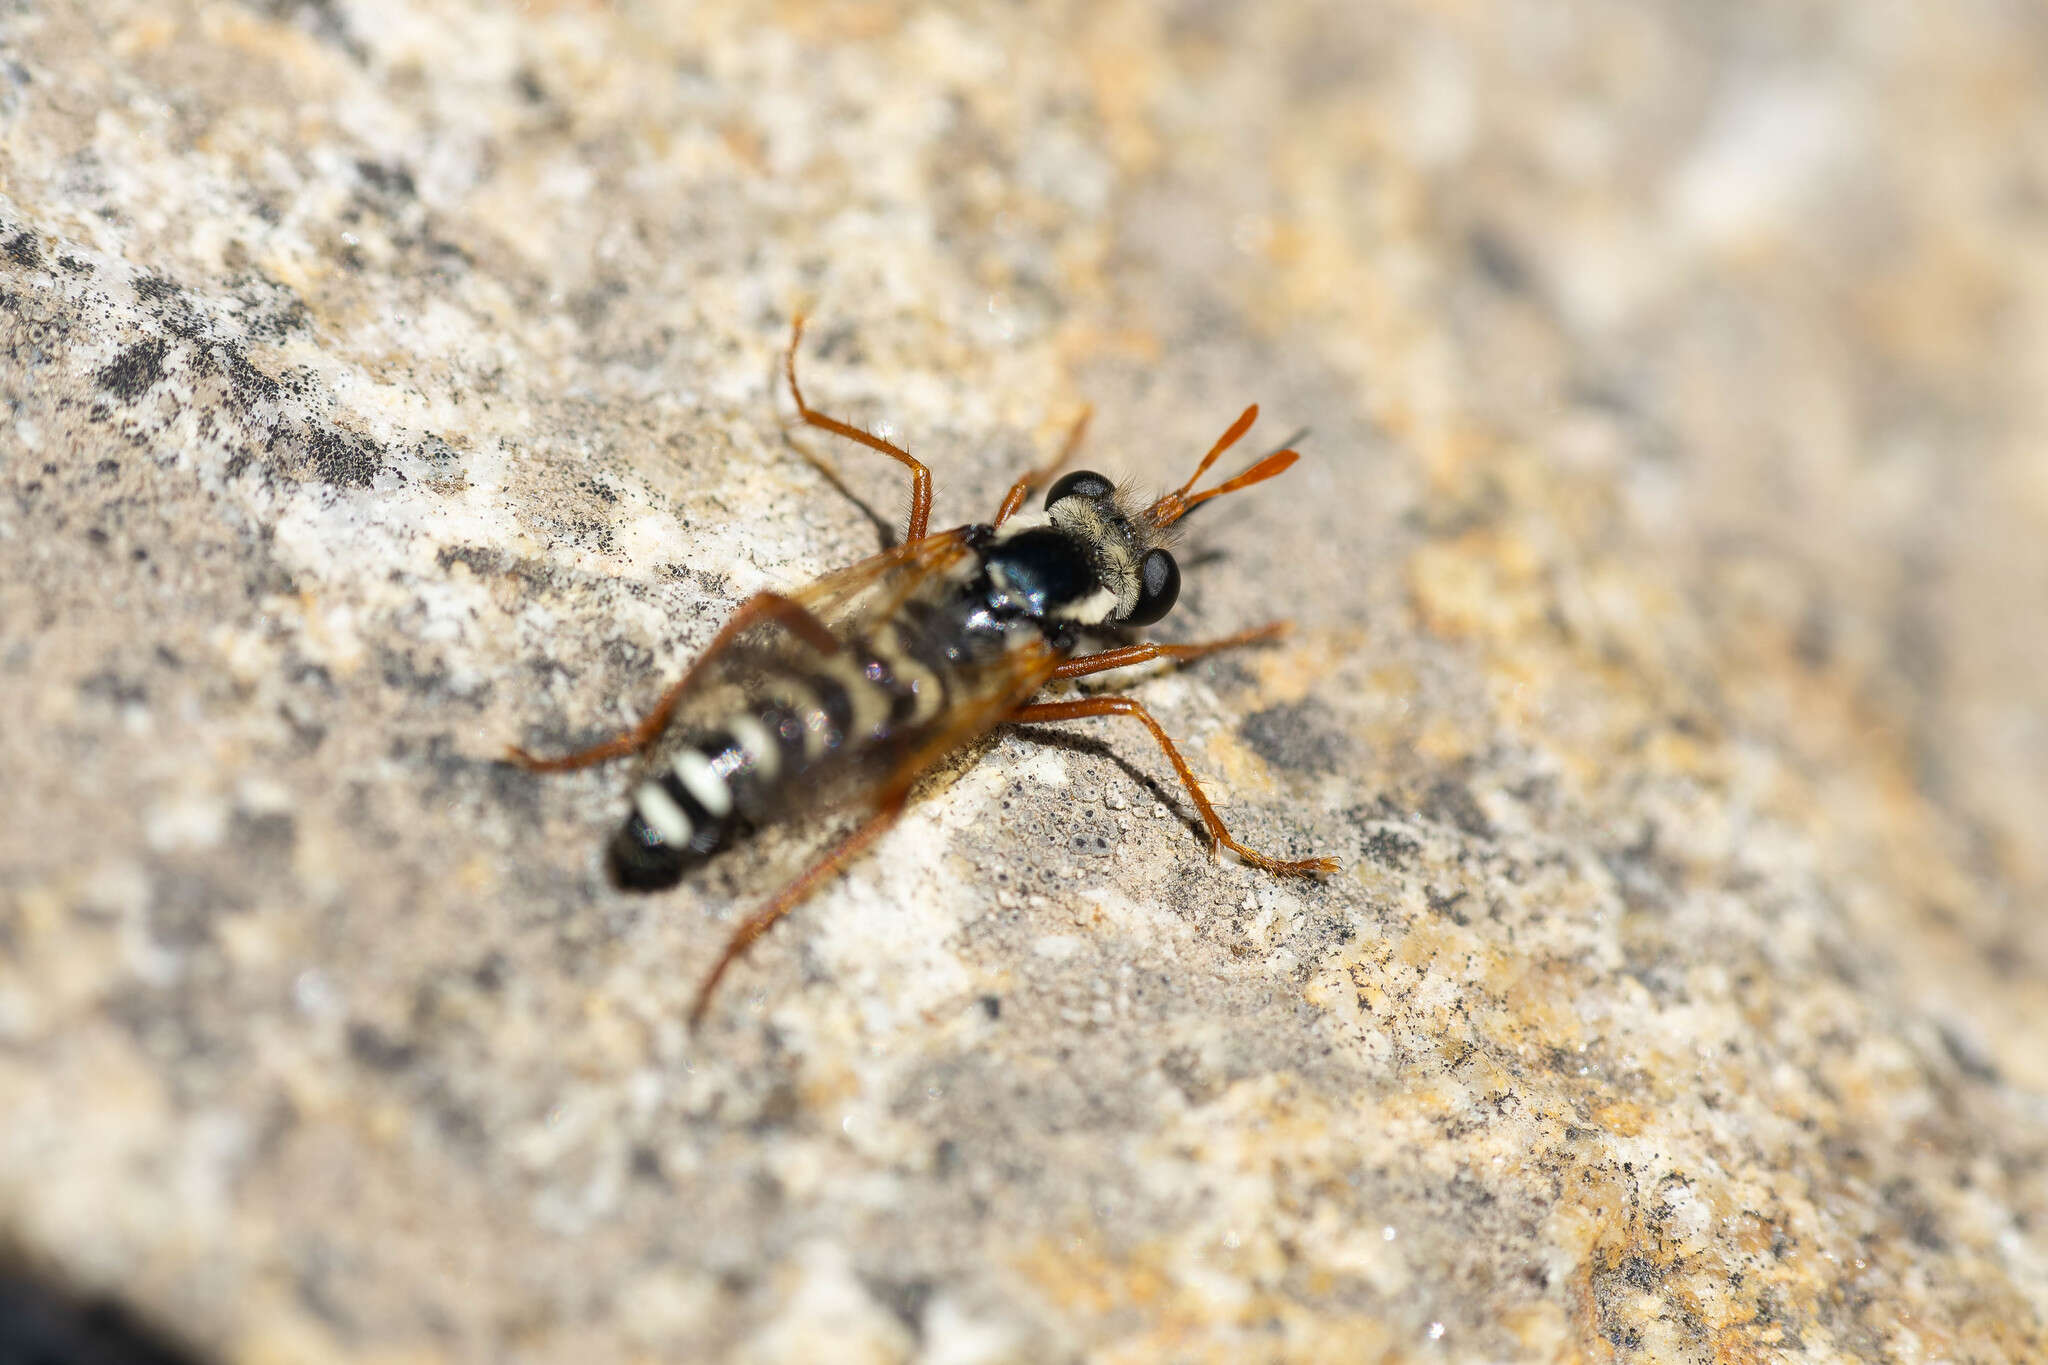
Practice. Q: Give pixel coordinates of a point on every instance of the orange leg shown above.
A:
(920, 477)
(1128, 655)
(1021, 489)
(889, 801)
(1220, 836)
(763, 606)
(762, 920)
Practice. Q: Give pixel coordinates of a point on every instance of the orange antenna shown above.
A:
(1180, 502)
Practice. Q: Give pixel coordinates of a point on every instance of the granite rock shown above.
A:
(389, 383)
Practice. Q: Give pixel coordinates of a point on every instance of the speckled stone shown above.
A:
(387, 383)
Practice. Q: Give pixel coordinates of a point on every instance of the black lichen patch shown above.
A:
(188, 904)
(264, 841)
(249, 416)
(1298, 737)
(1391, 848)
(23, 250)
(372, 1047)
(267, 310)
(1647, 879)
(342, 459)
(906, 1298)
(1448, 904)
(322, 18)
(1915, 1213)
(249, 384)
(1620, 1284)
(500, 784)
(116, 690)
(1091, 843)
(1968, 1058)
(175, 310)
(443, 458)
(402, 670)
(1192, 1075)
(393, 179)
(1452, 803)
(1498, 261)
(136, 370)
(481, 560)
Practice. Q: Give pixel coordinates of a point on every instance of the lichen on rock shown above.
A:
(385, 389)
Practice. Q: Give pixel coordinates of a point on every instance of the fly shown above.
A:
(840, 696)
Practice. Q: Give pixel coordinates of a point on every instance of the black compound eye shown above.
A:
(1079, 484)
(1158, 588)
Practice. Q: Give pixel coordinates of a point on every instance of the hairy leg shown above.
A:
(1037, 478)
(1218, 834)
(1146, 652)
(920, 477)
(764, 606)
(787, 899)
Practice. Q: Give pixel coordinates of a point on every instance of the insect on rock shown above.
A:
(839, 696)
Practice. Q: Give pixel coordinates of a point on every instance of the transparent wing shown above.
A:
(879, 585)
(820, 639)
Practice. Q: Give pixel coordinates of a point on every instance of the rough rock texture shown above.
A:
(387, 382)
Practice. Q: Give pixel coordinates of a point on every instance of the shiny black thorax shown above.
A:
(1018, 586)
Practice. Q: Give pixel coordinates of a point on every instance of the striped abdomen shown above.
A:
(818, 718)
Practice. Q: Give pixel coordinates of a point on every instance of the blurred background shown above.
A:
(390, 382)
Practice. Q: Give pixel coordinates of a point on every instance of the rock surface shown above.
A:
(388, 382)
